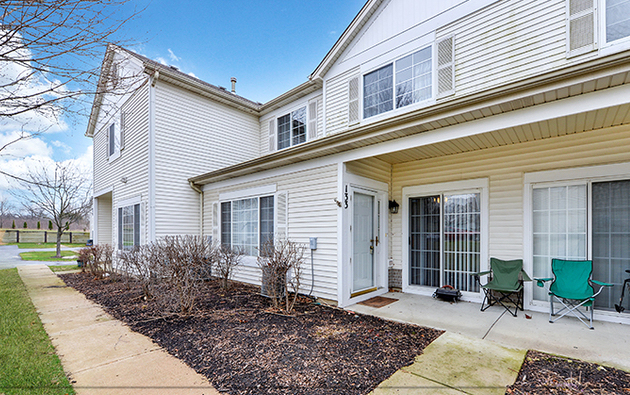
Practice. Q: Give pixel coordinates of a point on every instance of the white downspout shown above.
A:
(200, 191)
(154, 79)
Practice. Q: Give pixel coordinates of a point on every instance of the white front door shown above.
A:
(363, 238)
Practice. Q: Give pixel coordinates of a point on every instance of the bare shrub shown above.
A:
(100, 262)
(84, 256)
(226, 258)
(183, 265)
(281, 264)
(141, 264)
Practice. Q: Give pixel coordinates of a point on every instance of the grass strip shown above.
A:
(63, 268)
(45, 255)
(46, 245)
(28, 363)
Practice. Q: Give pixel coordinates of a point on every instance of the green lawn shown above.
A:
(63, 268)
(46, 245)
(28, 363)
(45, 255)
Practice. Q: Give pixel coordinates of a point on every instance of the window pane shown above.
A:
(266, 220)
(128, 227)
(617, 19)
(377, 91)
(112, 139)
(298, 126)
(226, 223)
(284, 131)
(413, 78)
(245, 225)
(611, 239)
(462, 240)
(424, 257)
(559, 228)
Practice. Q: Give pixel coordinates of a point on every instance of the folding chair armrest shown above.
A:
(479, 274)
(601, 283)
(541, 281)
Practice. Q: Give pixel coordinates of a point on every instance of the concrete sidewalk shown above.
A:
(100, 354)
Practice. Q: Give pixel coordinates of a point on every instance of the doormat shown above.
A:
(378, 301)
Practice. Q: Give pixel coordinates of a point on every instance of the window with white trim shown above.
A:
(115, 137)
(128, 227)
(292, 128)
(247, 223)
(445, 240)
(582, 219)
(406, 81)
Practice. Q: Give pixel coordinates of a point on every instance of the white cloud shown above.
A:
(162, 61)
(20, 145)
(173, 57)
(192, 74)
(19, 79)
(63, 146)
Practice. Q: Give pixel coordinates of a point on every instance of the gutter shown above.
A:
(200, 192)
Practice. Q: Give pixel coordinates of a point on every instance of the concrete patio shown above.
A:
(608, 344)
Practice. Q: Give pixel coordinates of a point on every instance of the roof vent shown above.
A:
(174, 68)
(222, 88)
(233, 80)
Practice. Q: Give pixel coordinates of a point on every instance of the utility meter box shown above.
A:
(313, 243)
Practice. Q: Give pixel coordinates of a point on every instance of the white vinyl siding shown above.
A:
(309, 211)
(505, 166)
(104, 220)
(337, 101)
(507, 41)
(190, 140)
(133, 165)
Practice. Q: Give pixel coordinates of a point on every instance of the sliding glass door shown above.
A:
(445, 240)
(589, 220)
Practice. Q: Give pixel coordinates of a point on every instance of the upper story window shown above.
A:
(116, 138)
(617, 19)
(292, 128)
(410, 76)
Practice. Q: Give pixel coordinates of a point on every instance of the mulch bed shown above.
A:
(549, 374)
(243, 347)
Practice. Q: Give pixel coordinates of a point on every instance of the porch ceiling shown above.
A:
(591, 120)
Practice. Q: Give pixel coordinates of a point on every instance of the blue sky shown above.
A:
(269, 46)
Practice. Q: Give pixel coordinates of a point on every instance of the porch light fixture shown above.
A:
(393, 207)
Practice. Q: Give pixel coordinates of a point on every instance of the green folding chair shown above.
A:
(572, 286)
(505, 284)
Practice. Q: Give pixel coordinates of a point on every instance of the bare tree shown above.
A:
(50, 59)
(62, 194)
(7, 210)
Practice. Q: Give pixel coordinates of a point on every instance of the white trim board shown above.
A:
(249, 192)
(129, 202)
